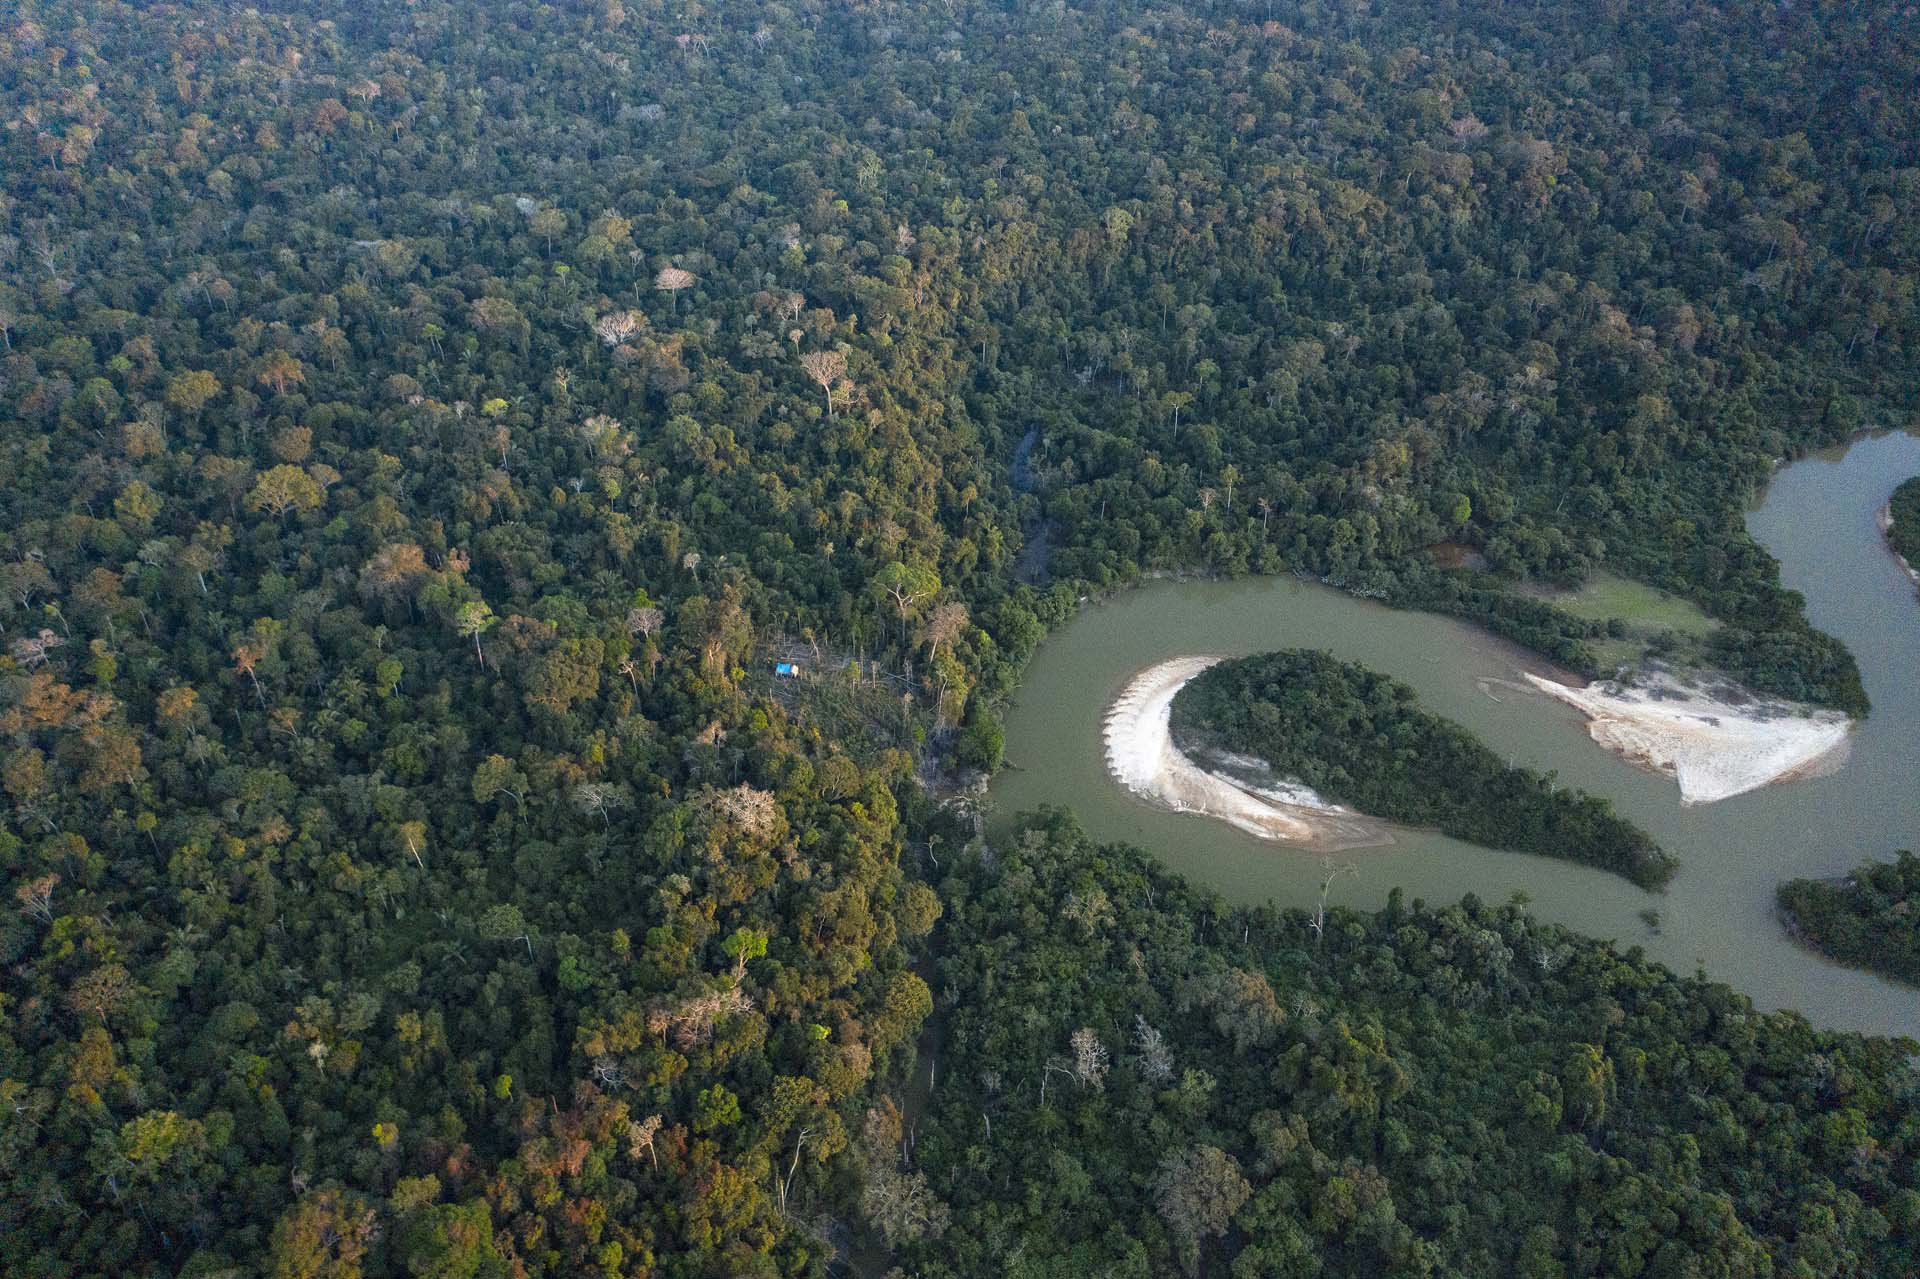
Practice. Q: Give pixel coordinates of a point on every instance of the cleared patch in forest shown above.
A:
(856, 702)
(1608, 597)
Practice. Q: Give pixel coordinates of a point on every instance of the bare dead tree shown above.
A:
(1089, 1058)
(36, 897)
(1156, 1061)
(1319, 924)
(640, 1135)
(598, 798)
(616, 327)
(31, 651)
(825, 368)
(672, 279)
(786, 1184)
(946, 626)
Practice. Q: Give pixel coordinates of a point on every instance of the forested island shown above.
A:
(1142, 1081)
(508, 536)
(1360, 738)
(1903, 524)
(1870, 919)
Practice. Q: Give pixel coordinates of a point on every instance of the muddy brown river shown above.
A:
(1818, 519)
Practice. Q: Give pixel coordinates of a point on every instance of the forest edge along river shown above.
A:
(1818, 518)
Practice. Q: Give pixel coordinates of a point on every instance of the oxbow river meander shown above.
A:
(1818, 519)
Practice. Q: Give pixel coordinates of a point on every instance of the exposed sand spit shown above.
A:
(1716, 741)
(1142, 756)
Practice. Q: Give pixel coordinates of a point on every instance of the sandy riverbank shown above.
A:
(1885, 518)
(1142, 757)
(1714, 738)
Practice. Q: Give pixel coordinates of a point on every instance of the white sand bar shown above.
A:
(1142, 757)
(1717, 740)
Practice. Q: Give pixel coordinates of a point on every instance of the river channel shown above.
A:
(1817, 518)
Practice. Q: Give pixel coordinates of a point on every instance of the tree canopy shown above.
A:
(1459, 1090)
(1866, 919)
(423, 423)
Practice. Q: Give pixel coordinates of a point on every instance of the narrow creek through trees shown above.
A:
(1817, 518)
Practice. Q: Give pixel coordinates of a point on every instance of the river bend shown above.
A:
(1818, 519)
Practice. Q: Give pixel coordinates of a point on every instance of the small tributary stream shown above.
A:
(1818, 519)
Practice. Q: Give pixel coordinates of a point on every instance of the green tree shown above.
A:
(909, 586)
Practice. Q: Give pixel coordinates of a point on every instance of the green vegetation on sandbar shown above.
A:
(1870, 919)
(1360, 738)
(1138, 1080)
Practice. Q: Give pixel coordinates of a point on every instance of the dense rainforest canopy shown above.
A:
(1140, 1080)
(1359, 737)
(422, 422)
